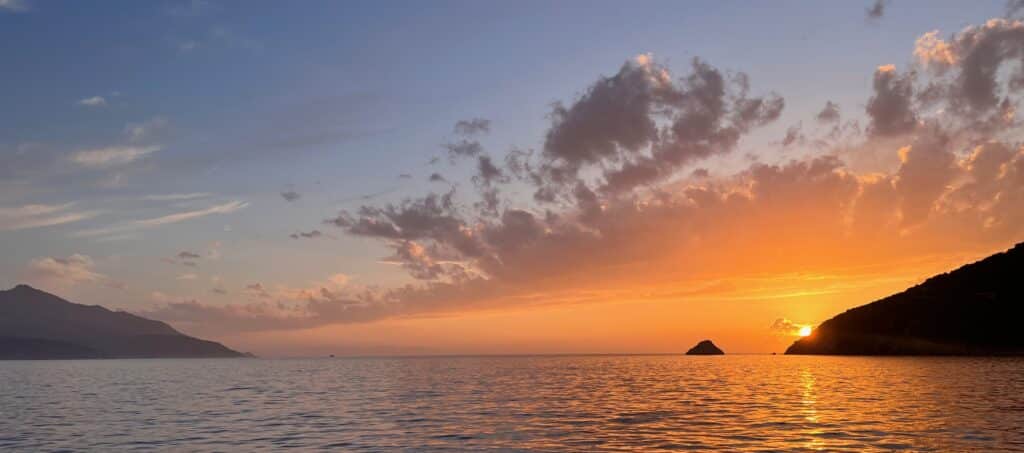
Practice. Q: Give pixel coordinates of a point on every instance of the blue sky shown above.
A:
(197, 115)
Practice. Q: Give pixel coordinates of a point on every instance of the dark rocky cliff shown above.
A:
(977, 309)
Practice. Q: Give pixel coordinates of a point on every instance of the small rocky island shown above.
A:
(705, 347)
(974, 310)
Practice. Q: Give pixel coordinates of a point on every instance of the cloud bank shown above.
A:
(615, 202)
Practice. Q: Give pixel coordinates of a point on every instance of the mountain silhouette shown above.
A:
(975, 310)
(705, 347)
(38, 325)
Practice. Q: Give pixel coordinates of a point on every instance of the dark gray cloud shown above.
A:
(640, 126)
(890, 109)
(829, 113)
(876, 10)
(306, 235)
(187, 255)
(463, 148)
(1014, 7)
(475, 126)
(793, 136)
(290, 195)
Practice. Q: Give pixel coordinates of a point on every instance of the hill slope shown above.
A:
(974, 310)
(38, 325)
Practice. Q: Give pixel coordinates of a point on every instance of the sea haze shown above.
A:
(581, 403)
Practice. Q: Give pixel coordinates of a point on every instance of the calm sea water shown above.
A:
(515, 403)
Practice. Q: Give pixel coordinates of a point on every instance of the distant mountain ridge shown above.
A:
(977, 309)
(35, 324)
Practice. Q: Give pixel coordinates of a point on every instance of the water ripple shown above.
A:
(609, 403)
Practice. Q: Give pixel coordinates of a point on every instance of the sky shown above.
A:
(325, 177)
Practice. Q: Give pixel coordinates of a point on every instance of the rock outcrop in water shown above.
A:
(38, 325)
(705, 347)
(975, 310)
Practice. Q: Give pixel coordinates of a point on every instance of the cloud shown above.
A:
(623, 206)
(783, 326)
(876, 10)
(40, 215)
(153, 129)
(463, 148)
(176, 196)
(829, 113)
(111, 156)
(1014, 7)
(977, 54)
(890, 109)
(95, 101)
(135, 225)
(14, 6)
(290, 195)
(307, 235)
(187, 276)
(187, 255)
(640, 126)
(69, 271)
(472, 127)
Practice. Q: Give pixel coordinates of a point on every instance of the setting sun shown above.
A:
(805, 331)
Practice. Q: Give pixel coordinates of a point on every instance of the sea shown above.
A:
(515, 403)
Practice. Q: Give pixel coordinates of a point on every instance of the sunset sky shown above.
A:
(328, 177)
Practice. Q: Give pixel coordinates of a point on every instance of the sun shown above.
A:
(805, 331)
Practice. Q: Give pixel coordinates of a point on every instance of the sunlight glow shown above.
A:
(805, 331)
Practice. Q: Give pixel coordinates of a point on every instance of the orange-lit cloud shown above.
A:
(609, 210)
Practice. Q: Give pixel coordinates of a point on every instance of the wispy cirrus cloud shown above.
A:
(176, 196)
(95, 101)
(142, 224)
(112, 155)
(14, 6)
(40, 215)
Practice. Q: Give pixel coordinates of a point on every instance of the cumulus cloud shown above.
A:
(977, 54)
(623, 202)
(891, 109)
(40, 215)
(95, 101)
